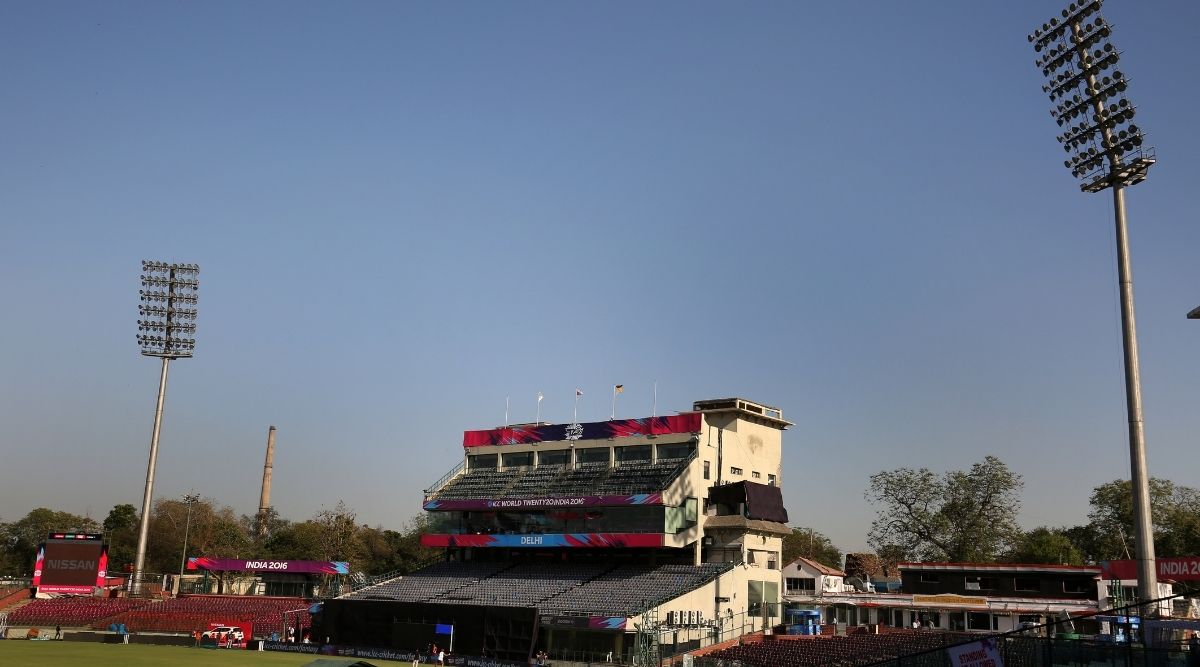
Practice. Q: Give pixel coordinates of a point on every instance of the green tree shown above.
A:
(21, 537)
(808, 543)
(339, 534)
(958, 516)
(213, 531)
(1045, 545)
(121, 533)
(299, 541)
(1176, 516)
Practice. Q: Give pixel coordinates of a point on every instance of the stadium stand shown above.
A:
(627, 589)
(71, 611)
(553, 481)
(428, 583)
(843, 651)
(554, 588)
(524, 585)
(193, 612)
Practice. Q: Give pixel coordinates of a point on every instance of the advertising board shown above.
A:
(70, 563)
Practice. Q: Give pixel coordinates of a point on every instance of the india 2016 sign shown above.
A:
(1186, 568)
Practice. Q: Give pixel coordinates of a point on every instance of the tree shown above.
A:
(1176, 516)
(962, 516)
(1046, 545)
(339, 532)
(121, 533)
(21, 537)
(808, 543)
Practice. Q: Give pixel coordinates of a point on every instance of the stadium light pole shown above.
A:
(1105, 151)
(166, 329)
(187, 525)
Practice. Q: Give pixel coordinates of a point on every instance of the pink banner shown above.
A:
(688, 422)
(1184, 568)
(553, 540)
(252, 565)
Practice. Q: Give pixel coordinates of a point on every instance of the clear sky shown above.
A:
(404, 212)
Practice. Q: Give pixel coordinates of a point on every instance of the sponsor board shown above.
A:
(585, 622)
(951, 599)
(688, 422)
(551, 540)
(532, 503)
(244, 565)
(384, 654)
(1184, 568)
(72, 564)
(982, 653)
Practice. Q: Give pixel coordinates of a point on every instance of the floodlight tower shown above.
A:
(166, 326)
(1105, 151)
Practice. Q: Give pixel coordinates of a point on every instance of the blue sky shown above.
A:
(405, 212)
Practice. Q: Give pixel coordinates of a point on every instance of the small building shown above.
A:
(803, 576)
(985, 597)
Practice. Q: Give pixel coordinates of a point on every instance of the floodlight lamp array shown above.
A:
(167, 314)
(1098, 135)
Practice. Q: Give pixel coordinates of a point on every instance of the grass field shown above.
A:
(88, 654)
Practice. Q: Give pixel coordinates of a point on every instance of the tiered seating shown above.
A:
(552, 481)
(637, 477)
(194, 612)
(71, 612)
(579, 481)
(535, 482)
(524, 585)
(431, 582)
(847, 651)
(626, 590)
(485, 483)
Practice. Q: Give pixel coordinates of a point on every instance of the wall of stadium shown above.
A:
(725, 597)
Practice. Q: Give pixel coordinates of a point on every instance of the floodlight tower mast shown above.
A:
(167, 326)
(1105, 151)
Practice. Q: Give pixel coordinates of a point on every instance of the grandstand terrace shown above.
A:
(822, 651)
(194, 612)
(673, 522)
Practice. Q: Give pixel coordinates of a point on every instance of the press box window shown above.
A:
(477, 461)
(1027, 585)
(771, 480)
(1076, 587)
(592, 455)
(980, 583)
(557, 457)
(756, 474)
(518, 459)
(930, 579)
(706, 472)
(735, 471)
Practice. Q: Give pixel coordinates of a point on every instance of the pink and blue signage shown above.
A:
(263, 565)
(688, 422)
(535, 503)
(550, 540)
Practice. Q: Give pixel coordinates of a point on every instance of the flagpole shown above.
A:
(538, 418)
(654, 409)
(506, 411)
(575, 419)
(613, 415)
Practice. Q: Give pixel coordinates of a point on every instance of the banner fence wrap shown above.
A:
(688, 422)
(251, 565)
(535, 503)
(558, 540)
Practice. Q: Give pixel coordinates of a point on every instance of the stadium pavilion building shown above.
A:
(586, 539)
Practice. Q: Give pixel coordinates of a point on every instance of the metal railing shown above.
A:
(437, 486)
